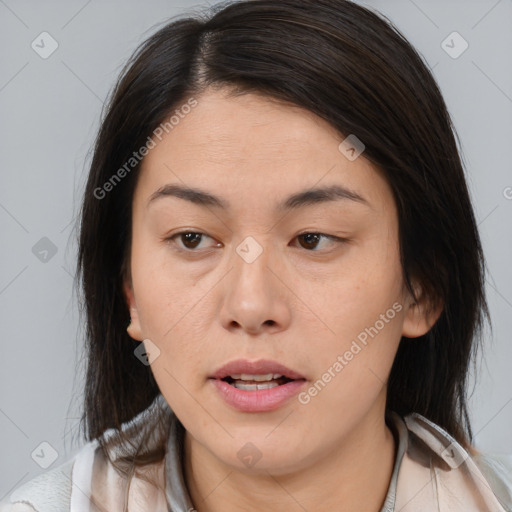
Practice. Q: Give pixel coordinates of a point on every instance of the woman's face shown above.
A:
(253, 289)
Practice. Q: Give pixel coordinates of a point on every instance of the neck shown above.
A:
(339, 481)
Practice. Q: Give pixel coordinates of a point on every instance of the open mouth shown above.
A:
(256, 386)
(255, 382)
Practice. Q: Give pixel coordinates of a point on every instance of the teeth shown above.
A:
(254, 387)
(257, 378)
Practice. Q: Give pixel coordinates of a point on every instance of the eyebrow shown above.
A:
(300, 199)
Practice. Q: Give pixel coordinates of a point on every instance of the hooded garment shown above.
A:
(432, 473)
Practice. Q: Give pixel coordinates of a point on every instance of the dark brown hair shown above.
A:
(351, 67)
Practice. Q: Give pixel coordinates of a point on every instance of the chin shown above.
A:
(257, 455)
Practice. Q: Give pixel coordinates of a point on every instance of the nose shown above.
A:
(255, 300)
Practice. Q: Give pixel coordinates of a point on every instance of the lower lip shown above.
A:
(260, 400)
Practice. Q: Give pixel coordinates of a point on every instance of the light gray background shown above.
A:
(50, 114)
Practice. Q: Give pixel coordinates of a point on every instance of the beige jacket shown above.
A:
(432, 472)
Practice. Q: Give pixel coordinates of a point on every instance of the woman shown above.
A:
(277, 210)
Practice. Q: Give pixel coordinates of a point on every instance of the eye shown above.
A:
(312, 239)
(190, 239)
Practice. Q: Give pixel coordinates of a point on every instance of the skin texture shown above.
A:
(300, 302)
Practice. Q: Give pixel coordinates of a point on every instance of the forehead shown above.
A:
(251, 146)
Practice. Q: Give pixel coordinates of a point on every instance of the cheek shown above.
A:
(351, 374)
(168, 297)
(176, 317)
(365, 286)
(361, 306)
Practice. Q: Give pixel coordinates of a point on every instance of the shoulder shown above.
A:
(16, 507)
(91, 477)
(497, 469)
(456, 477)
(6, 506)
(48, 492)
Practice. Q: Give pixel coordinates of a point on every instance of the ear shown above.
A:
(420, 315)
(134, 329)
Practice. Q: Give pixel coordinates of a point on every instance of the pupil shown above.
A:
(307, 238)
(190, 236)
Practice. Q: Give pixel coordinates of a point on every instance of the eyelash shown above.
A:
(172, 238)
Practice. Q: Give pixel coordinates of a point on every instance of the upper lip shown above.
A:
(260, 367)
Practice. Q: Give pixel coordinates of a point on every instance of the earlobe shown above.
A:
(133, 329)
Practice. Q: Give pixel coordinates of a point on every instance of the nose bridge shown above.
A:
(253, 297)
(251, 261)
